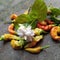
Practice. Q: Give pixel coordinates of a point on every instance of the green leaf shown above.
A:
(39, 10)
(23, 18)
(55, 11)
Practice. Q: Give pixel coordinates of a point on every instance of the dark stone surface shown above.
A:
(7, 7)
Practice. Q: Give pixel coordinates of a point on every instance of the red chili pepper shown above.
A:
(46, 28)
(49, 21)
(50, 26)
(42, 27)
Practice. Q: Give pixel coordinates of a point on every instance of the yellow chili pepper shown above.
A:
(36, 39)
(15, 44)
(8, 37)
(36, 49)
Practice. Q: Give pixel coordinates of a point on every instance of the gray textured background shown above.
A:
(7, 7)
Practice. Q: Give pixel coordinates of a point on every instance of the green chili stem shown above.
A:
(1, 38)
(44, 47)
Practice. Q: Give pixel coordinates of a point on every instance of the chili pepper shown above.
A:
(43, 23)
(42, 27)
(47, 27)
(13, 16)
(36, 49)
(8, 37)
(15, 44)
(31, 44)
(38, 31)
(50, 26)
(18, 44)
(49, 21)
(55, 33)
(36, 39)
(11, 29)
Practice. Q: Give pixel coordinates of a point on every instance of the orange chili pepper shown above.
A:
(31, 44)
(13, 16)
(11, 29)
(55, 33)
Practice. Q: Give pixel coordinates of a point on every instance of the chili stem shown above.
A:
(1, 38)
(44, 47)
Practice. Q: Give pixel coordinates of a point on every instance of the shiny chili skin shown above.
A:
(11, 29)
(13, 16)
(42, 27)
(45, 27)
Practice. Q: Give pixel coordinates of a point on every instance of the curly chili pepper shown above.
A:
(11, 29)
(55, 33)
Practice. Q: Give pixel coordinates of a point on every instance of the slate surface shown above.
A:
(7, 7)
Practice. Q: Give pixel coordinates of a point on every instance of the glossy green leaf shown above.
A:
(23, 18)
(39, 10)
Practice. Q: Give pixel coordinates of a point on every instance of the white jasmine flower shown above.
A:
(25, 32)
